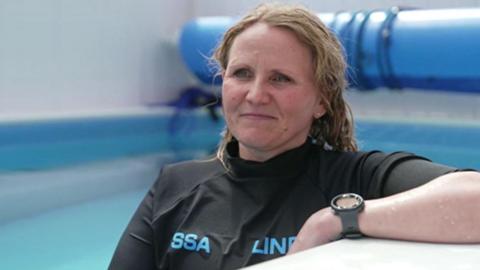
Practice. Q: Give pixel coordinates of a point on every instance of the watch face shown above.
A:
(347, 201)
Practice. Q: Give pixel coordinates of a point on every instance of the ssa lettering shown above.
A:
(190, 241)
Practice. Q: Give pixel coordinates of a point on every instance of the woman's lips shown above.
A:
(257, 116)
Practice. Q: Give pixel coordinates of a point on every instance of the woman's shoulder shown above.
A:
(183, 177)
(354, 162)
(192, 169)
(369, 156)
(362, 172)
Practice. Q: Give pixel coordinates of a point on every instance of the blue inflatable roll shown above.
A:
(425, 49)
(198, 40)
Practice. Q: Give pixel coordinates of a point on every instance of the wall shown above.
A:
(213, 7)
(60, 57)
(64, 56)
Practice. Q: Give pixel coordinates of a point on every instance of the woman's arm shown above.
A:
(135, 249)
(445, 210)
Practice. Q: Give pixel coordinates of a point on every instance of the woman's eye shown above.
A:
(242, 73)
(280, 78)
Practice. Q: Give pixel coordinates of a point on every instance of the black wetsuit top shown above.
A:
(201, 215)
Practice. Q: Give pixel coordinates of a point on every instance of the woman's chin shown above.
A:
(256, 142)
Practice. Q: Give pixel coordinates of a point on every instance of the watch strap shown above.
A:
(348, 214)
(350, 228)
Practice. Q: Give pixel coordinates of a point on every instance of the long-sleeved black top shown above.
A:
(208, 215)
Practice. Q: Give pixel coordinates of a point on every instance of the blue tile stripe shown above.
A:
(51, 143)
(46, 144)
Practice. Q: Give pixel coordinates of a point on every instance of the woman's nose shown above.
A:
(257, 93)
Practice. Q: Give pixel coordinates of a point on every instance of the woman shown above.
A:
(287, 152)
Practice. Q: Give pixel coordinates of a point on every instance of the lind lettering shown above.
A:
(272, 245)
(190, 241)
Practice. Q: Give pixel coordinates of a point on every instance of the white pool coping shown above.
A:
(377, 254)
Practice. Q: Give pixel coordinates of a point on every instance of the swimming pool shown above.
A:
(80, 236)
(69, 186)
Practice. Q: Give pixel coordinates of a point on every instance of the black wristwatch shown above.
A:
(347, 206)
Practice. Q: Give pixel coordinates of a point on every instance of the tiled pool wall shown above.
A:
(49, 163)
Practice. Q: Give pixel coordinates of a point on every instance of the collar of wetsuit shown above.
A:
(287, 165)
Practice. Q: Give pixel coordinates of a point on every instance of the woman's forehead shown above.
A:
(277, 44)
(274, 36)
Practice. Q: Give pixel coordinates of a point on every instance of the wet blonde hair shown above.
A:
(334, 130)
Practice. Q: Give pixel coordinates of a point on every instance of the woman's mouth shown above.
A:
(257, 116)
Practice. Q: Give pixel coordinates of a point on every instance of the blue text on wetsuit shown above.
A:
(272, 245)
(190, 241)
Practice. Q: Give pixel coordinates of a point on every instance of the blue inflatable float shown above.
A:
(426, 49)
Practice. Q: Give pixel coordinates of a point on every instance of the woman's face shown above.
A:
(269, 95)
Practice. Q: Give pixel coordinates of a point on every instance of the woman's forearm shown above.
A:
(447, 209)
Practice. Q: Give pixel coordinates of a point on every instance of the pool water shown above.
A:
(82, 236)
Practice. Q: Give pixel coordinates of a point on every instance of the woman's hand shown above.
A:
(321, 228)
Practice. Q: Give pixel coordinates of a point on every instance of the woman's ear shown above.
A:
(319, 110)
(318, 115)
